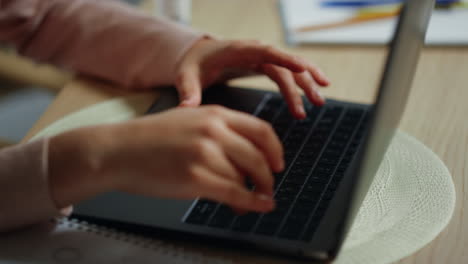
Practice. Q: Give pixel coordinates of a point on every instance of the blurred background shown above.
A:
(26, 90)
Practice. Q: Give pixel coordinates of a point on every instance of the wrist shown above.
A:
(76, 166)
(193, 48)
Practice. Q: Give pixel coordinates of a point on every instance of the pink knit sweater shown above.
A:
(101, 38)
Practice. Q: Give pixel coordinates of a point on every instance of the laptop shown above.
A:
(331, 159)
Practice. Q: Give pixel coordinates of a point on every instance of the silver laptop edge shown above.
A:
(394, 90)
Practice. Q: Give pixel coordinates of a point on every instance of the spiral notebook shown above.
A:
(71, 241)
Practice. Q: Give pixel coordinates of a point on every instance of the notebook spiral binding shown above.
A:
(159, 246)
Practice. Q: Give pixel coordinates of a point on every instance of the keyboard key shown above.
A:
(324, 169)
(306, 124)
(323, 205)
(277, 214)
(346, 127)
(284, 116)
(346, 160)
(223, 217)
(333, 152)
(308, 199)
(358, 136)
(312, 188)
(339, 175)
(201, 212)
(245, 223)
(312, 110)
(281, 131)
(333, 185)
(289, 188)
(318, 178)
(297, 180)
(302, 161)
(276, 101)
(298, 171)
(268, 226)
(267, 115)
(319, 137)
(282, 198)
(292, 230)
(328, 160)
(196, 219)
(289, 155)
(298, 217)
(327, 121)
(327, 196)
(312, 227)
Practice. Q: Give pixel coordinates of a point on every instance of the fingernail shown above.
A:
(264, 197)
(281, 166)
(300, 110)
(320, 95)
(323, 77)
(186, 102)
(268, 199)
(267, 206)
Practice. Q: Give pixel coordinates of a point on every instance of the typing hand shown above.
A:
(213, 61)
(182, 153)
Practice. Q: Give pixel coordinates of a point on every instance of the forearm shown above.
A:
(104, 39)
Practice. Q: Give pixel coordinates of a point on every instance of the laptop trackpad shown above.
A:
(135, 209)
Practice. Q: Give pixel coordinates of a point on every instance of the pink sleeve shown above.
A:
(102, 38)
(24, 186)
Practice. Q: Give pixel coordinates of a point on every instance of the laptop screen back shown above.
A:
(392, 95)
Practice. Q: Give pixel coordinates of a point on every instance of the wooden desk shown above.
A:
(436, 113)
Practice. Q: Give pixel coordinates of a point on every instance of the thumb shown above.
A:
(189, 88)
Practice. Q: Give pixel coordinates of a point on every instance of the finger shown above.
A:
(248, 159)
(215, 158)
(189, 86)
(308, 85)
(260, 133)
(229, 74)
(286, 83)
(248, 54)
(317, 74)
(215, 187)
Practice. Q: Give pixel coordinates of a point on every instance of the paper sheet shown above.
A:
(446, 27)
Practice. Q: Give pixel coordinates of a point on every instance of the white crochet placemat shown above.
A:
(410, 202)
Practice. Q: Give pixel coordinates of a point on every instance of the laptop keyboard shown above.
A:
(318, 151)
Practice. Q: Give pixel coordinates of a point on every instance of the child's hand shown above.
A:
(213, 61)
(181, 153)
